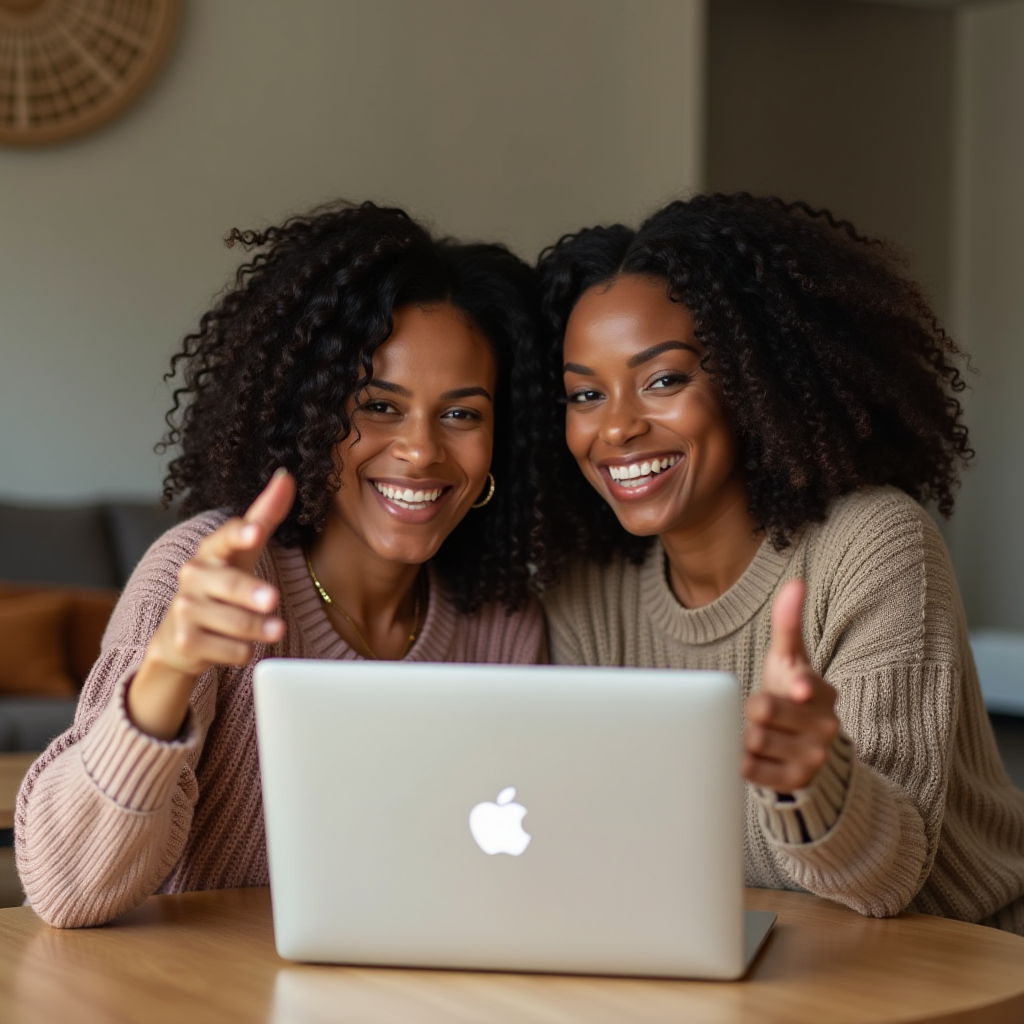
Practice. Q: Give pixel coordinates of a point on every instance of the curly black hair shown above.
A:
(830, 365)
(266, 378)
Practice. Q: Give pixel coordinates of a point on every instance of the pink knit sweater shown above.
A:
(109, 815)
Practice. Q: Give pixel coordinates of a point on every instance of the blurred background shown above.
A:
(516, 120)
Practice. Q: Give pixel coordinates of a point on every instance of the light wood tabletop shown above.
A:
(12, 770)
(210, 957)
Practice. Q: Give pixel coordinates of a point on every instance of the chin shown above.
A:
(641, 527)
(405, 550)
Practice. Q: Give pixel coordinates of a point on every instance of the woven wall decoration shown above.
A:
(67, 66)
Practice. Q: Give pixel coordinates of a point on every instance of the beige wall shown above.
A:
(510, 119)
(844, 104)
(988, 268)
(909, 121)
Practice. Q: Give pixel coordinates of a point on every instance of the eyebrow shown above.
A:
(656, 350)
(386, 385)
(466, 393)
(448, 396)
(578, 368)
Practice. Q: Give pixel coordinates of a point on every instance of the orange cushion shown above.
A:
(32, 659)
(89, 612)
(87, 619)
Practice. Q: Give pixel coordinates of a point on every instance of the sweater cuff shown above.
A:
(133, 769)
(806, 815)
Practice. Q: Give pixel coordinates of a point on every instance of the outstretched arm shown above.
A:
(104, 814)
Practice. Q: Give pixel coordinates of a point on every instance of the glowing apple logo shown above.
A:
(498, 827)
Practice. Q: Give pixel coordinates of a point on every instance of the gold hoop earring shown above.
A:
(490, 493)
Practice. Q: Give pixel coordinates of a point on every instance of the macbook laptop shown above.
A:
(514, 818)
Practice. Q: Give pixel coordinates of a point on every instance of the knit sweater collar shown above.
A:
(306, 609)
(723, 616)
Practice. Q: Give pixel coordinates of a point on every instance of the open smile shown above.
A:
(412, 501)
(638, 478)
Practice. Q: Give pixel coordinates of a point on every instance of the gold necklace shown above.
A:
(348, 618)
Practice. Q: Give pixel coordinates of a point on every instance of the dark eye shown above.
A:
(379, 406)
(669, 380)
(581, 397)
(461, 414)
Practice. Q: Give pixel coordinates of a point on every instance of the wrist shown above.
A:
(157, 698)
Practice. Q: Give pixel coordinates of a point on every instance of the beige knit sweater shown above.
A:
(913, 808)
(108, 815)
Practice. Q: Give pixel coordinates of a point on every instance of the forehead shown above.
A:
(434, 341)
(630, 310)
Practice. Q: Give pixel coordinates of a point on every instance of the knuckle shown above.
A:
(759, 707)
(755, 738)
(183, 638)
(243, 652)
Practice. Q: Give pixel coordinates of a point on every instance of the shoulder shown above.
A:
(879, 558)
(586, 589)
(875, 529)
(596, 607)
(154, 581)
(157, 571)
(494, 635)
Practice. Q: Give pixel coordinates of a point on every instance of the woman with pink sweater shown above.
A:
(358, 458)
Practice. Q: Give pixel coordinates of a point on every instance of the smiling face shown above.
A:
(644, 421)
(422, 438)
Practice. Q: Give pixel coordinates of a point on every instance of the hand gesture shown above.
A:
(791, 721)
(220, 610)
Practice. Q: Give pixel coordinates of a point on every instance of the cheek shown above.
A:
(716, 438)
(578, 435)
(473, 451)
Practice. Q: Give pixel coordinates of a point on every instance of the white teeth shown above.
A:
(641, 471)
(406, 497)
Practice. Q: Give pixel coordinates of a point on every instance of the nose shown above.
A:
(622, 421)
(417, 443)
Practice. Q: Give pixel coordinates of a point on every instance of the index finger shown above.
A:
(241, 542)
(787, 637)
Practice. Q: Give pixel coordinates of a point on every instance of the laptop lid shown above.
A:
(504, 817)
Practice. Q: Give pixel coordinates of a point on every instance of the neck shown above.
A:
(377, 593)
(707, 557)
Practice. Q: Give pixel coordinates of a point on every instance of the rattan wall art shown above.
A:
(67, 66)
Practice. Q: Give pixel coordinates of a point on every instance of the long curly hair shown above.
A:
(830, 365)
(265, 380)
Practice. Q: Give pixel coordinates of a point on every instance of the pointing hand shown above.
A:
(220, 610)
(791, 721)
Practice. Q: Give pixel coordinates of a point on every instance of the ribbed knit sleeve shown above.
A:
(108, 815)
(912, 809)
(103, 814)
(889, 639)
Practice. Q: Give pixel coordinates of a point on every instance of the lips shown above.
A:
(409, 500)
(637, 478)
(406, 497)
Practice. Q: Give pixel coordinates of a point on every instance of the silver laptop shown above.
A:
(505, 817)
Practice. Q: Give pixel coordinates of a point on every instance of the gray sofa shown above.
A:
(93, 546)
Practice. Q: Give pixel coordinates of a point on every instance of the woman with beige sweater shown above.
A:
(761, 400)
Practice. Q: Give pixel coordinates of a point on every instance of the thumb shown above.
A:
(787, 639)
(264, 516)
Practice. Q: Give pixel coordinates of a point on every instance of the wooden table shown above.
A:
(210, 957)
(12, 771)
